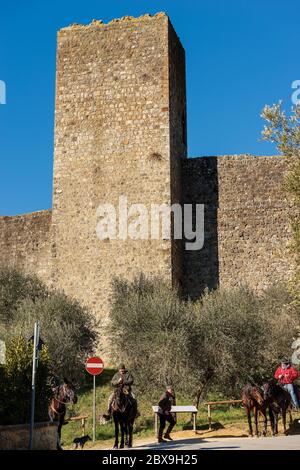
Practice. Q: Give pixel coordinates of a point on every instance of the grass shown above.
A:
(222, 415)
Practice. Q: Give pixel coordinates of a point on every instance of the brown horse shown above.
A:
(124, 409)
(279, 401)
(253, 401)
(62, 395)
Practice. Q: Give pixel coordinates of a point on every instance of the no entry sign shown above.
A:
(94, 365)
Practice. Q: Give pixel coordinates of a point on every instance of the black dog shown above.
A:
(81, 441)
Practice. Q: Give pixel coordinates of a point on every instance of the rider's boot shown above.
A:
(107, 416)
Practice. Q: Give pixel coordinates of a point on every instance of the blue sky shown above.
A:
(240, 55)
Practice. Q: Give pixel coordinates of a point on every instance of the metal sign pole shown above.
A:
(94, 366)
(94, 408)
(34, 367)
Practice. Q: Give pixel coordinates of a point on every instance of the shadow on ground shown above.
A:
(294, 428)
(179, 444)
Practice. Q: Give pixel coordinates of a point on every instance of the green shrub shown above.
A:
(15, 287)
(68, 329)
(217, 343)
(149, 332)
(15, 391)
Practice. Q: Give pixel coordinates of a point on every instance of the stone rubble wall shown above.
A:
(247, 222)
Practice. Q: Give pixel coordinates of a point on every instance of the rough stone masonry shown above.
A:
(120, 129)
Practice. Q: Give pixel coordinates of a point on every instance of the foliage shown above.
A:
(147, 331)
(15, 287)
(284, 132)
(68, 329)
(219, 342)
(15, 391)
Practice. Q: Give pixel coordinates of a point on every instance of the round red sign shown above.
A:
(94, 365)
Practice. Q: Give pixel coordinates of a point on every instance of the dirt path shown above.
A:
(231, 437)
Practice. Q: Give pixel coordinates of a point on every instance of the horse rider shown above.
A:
(122, 377)
(286, 374)
(167, 400)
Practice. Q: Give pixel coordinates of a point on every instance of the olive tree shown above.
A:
(219, 343)
(284, 131)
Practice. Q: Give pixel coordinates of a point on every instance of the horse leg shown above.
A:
(122, 434)
(291, 417)
(50, 414)
(264, 413)
(276, 422)
(256, 420)
(126, 427)
(271, 416)
(116, 433)
(58, 446)
(283, 413)
(249, 421)
(130, 430)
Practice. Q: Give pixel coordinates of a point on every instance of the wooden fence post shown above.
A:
(209, 416)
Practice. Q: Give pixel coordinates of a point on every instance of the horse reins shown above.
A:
(61, 402)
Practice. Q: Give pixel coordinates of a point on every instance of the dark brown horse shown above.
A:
(253, 401)
(62, 395)
(279, 401)
(124, 408)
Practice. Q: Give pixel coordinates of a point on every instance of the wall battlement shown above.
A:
(115, 22)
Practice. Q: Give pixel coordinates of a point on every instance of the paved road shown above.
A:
(230, 443)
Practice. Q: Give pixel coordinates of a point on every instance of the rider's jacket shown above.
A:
(288, 375)
(127, 379)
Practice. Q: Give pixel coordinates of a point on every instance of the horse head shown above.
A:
(258, 395)
(68, 392)
(126, 390)
(269, 389)
(120, 398)
(252, 392)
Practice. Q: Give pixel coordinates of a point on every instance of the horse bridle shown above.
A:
(59, 401)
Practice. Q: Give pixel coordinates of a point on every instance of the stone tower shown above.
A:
(120, 130)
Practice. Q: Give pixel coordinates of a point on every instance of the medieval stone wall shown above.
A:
(247, 229)
(120, 130)
(25, 243)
